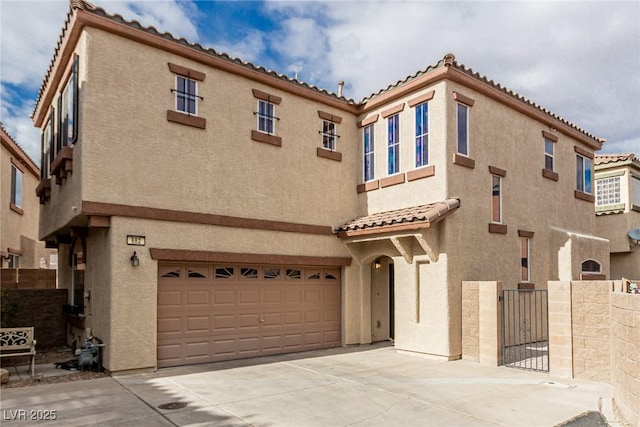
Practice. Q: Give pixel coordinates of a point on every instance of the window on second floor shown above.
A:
(422, 135)
(67, 134)
(583, 174)
(463, 129)
(266, 117)
(608, 191)
(393, 144)
(329, 135)
(46, 148)
(635, 192)
(525, 259)
(549, 147)
(186, 95)
(16, 186)
(496, 199)
(369, 165)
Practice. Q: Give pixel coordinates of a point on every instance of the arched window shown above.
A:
(591, 266)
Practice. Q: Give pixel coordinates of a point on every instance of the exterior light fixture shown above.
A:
(377, 264)
(134, 260)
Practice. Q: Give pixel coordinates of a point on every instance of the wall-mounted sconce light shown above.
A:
(377, 264)
(134, 260)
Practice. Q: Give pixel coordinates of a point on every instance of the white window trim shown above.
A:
(396, 143)
(16, 198)
(552, 155)
(584, 172)
(424, 135)
(271, 119)
(372, 153)
(528, 242)
(195, 95)
(468, 145)
(333, 137)
(499, 197)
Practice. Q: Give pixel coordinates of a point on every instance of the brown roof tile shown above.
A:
(425, 214)
(603, 159)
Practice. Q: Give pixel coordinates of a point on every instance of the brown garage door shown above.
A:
(211, 312)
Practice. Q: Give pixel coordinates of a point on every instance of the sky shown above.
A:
(578, 59)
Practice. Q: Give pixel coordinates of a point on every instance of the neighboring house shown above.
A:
(20, 246)
(212, 209)
(617, 178)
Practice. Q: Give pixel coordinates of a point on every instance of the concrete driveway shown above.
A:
(365, 386)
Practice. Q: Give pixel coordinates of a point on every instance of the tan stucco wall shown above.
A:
(64, 207)
(626, 265)
(20, 231)
(218, 169)
(419, 192)
(625, 354)
(131, 300)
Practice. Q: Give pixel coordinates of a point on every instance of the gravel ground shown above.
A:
(46, 356)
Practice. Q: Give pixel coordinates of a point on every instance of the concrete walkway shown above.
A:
(365, 386)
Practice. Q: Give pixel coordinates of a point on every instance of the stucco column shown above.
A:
(490, 323)
(560, 332)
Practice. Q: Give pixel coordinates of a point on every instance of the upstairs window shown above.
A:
(186, 95)
(549, 148)
(266, 117)
(16, 186)
(422, 135)
(329, 135)
(369, 165)
(68, 111)
(525, 259)
(583, 174)
(496, 199)
(608, 191)
(46, 146)
(393, 144)
(635, 192)
(463, 129)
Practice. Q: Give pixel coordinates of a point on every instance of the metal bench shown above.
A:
(18, 342)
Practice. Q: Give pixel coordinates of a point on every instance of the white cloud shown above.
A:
(577, 59)
(176, 17)
(29, 32)
(249, 48)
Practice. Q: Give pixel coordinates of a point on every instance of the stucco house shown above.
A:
(617, 184)
(211, 209)
(20, 246)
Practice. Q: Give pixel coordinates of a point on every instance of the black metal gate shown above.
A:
(525, 329)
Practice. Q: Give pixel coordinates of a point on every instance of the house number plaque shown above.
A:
(135, 240)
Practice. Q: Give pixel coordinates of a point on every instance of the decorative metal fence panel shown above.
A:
(525, 329)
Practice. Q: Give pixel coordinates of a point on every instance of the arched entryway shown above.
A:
(382, 299)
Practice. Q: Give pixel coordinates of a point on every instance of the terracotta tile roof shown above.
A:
(423, 214)
(89, 7)
(449, 60)
(21, 152)
(603, 159)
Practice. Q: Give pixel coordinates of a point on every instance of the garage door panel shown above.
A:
(272, 296)
(197, 349)
(293, 295)
(312, 316)
(211, 313)
(251, 320)
(169, 325)
(249, 297)
(197, 297)
(168, 298)
(224, 297)
(197, 323)
(224, 322)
